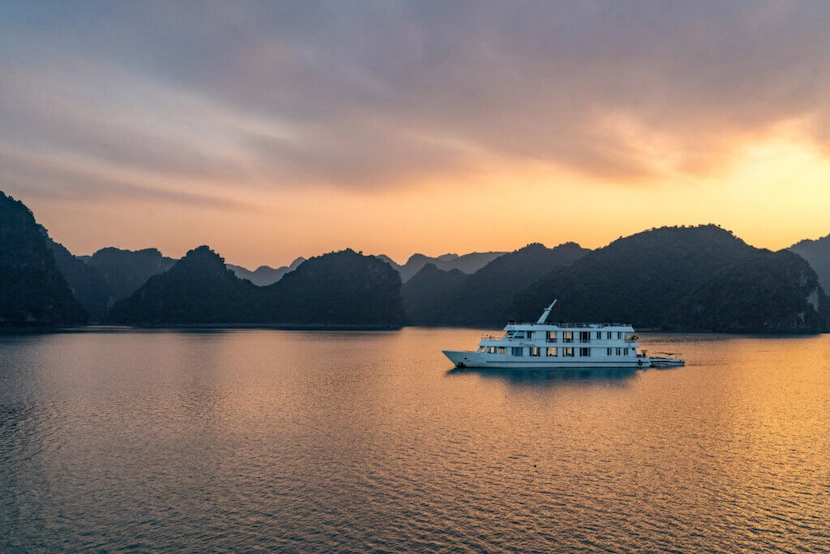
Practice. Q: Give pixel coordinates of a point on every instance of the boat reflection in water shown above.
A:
(536, 376)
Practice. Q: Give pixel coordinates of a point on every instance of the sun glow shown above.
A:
(772, 194)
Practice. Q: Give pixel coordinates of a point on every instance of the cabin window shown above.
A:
(519, 335)
(491, 350)
(625, 352)
(482, 349)
(530, 334)
(518, 351)
(553, 351)
(509, 335)
(551, 336)
(569, 351)
(567, 336)
(534, 350)
(501, 350)
(608, 335)
(584, 352)
(584, 336)
(599, 335)
(619, 351)
(619, 334)
(609, 352)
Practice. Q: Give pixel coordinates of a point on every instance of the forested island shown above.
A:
(672, 279)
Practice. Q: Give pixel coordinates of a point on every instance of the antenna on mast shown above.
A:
(546, 313)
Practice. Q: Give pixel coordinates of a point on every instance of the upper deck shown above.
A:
(561, 326)
(598, 334)
(542, 333)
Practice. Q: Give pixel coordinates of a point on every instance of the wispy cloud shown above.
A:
(380, 94)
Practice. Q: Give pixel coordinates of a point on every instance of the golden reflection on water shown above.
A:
(328, 441)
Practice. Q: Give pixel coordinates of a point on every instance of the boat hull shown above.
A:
(477, 360)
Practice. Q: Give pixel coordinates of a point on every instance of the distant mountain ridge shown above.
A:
(817, 254)
(424, 293)
(265, 275)
(124, 271)
(650, 278)
(84, 281)
(466, 263)
(481, 298)
(337, 289)
(700, 278)
(109, 275)
(198, 289)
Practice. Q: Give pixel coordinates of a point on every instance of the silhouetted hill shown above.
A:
(340, 288)
(817, 254)
(467, 263)
(765, 292)
(264, 275)
(199, 289)
(32, 290)
(86, 284)
(109, 275)
(645, 278)
(482, 298)
(426, 290)
(674, 278)
(124, 271)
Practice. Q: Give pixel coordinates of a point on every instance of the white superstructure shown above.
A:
(555, 346)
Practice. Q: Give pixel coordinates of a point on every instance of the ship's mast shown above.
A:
(545, 314)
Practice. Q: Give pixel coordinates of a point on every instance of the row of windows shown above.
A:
(567, 336)
(583, 336)
(551, 351)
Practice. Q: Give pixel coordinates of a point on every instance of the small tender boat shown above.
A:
(542, 345)
(666, 359)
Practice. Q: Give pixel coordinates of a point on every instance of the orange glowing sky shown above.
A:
(277, 130)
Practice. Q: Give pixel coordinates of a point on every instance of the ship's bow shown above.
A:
(457, 357)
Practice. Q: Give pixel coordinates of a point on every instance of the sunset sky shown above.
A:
(271, 130)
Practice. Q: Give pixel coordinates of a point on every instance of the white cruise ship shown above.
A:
(543, 345)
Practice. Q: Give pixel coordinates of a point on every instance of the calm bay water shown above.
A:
(319, 441)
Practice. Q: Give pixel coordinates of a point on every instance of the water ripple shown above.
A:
(256, 440)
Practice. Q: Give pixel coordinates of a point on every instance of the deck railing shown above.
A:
(564, 324)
